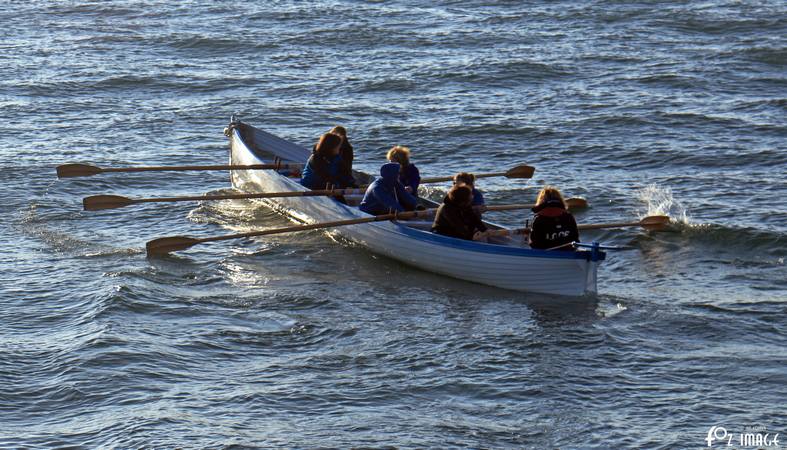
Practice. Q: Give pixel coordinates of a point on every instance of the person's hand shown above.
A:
(480, 236)
(409, 189)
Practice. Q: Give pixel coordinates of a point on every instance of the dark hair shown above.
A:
(327, 142)
(464, 177)
(461, 194)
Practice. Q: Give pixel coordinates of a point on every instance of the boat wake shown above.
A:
(237, 215)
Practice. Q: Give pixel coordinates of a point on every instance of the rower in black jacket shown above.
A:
(553, 228)
(456, 217)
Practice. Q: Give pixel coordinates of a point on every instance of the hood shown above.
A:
(548, 204)
(447, 200)
(390, 172)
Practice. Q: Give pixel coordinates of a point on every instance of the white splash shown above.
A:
(660, 201)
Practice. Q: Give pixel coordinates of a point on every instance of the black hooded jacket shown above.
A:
(457, 221)
(553, 226)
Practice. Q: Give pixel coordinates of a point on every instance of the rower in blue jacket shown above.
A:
(408, 172)
(387, 193)
(323, 168)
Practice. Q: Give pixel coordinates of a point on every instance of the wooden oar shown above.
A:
(162, 246)
(99, 202)
(650, 223)
(522, 171)
(86, 170)
(571, 203)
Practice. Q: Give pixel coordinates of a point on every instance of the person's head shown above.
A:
(465, 178)
(550, 194)
(399, 154)
(461, 194)
(390, 172)
(328, 145)
(340, 130)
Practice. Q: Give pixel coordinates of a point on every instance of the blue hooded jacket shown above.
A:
(321, 171)
(387, 194)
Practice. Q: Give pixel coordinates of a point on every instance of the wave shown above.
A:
(775, 56)
(748, 241)
(720, 22)
(388, 85)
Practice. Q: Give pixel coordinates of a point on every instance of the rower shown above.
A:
(387, 193)
(346, 154)
(323, 167)
(409, 174)
(456, 218)
(554, 228)
(468, 179)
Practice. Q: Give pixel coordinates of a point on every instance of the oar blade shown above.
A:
(166, 245)
(655, 223)
(576, 203)
(522, 171)
(76, 170)
(99, 202)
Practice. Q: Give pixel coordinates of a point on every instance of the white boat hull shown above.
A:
(509, 267)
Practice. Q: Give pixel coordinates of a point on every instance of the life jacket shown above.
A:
(552, 227)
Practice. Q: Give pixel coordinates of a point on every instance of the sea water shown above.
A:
(297, 341)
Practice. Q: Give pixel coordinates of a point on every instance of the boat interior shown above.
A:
(264, 144)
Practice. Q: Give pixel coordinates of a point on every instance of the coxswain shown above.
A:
(553, 227)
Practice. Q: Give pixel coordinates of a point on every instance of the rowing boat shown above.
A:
(505, 262)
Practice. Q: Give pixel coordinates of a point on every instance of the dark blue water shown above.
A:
(296, 341)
